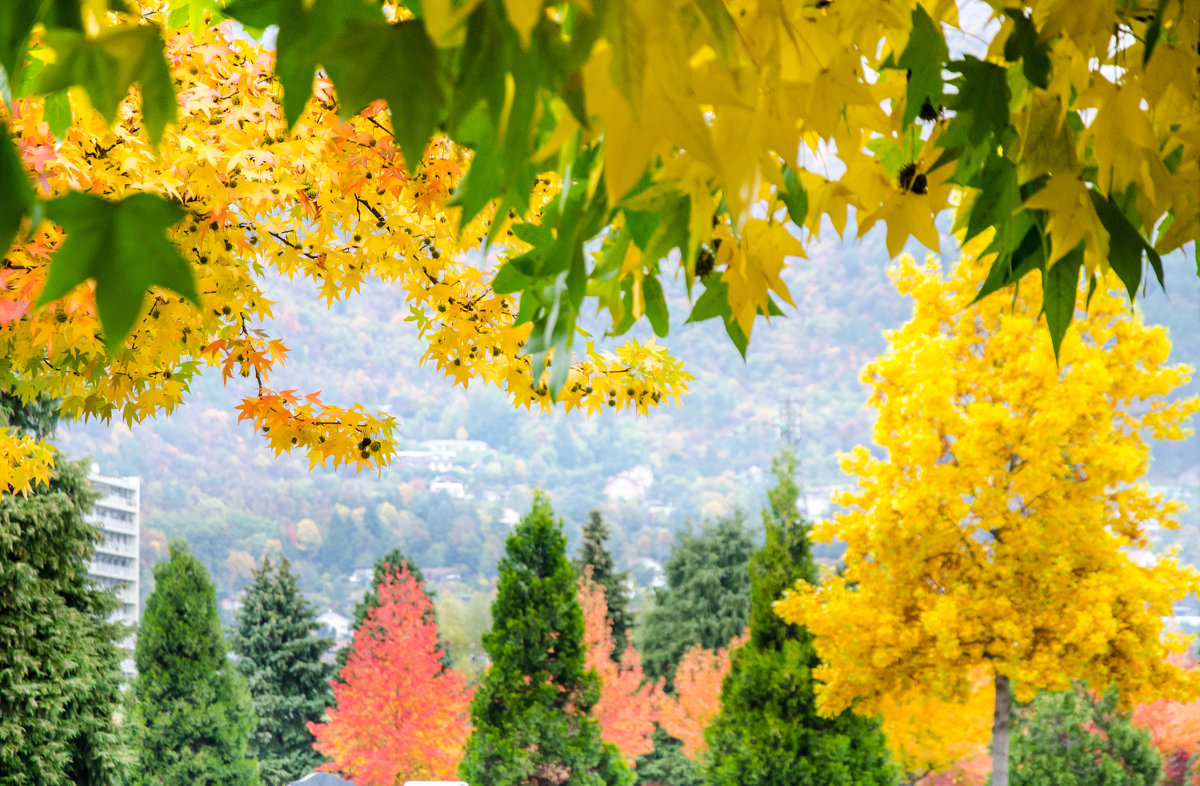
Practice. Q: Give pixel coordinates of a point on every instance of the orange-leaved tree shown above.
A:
(626, 707)
(697, 696)
(401, 714)
(1175, 729)
(994, 532)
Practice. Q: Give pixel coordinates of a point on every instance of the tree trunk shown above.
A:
(1001, 724)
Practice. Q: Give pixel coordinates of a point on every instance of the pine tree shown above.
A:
(1076, 737)
(280, 656)
(389, 565)
(768, 732)
(594, 553)
(194, 713)
(60, 672)
(533, 711)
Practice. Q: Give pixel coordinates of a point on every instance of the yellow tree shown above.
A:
(994, 530)
(931, 737)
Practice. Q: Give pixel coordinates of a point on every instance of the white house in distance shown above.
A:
(116, 563)
(631, 484)
(449, 484)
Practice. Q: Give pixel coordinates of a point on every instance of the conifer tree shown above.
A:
(533, 711)
(594, 553)
(280, 656)
(707, 598)
(1076, 737)
(60, 670)
(706, 602)
(194, 714)
(768, 732)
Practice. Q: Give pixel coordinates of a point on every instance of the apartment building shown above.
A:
(116, 562)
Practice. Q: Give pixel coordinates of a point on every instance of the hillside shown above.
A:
(208, 478)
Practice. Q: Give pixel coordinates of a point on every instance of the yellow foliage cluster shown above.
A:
(997, 528)
(331, 201)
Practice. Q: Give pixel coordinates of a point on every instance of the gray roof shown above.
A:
(321, 779)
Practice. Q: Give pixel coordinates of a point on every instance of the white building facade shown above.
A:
(116, 562)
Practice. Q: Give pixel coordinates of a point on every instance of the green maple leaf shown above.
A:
(398, 63)
(124, 247)
(14, 185)
(980, 105)
(924, 57)
(107, 65)
(1059, 287)
(304, 30)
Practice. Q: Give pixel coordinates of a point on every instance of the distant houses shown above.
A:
(633, 483)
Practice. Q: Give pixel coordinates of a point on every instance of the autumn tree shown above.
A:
(1076, 737)
(994, 531)
(279, 653)
(626, 707)
(400, 714)
(768, 731)
(533, 712)
(1174, 728)
(696, 699)
(938, 742)
(391, 564)
(594, 555)
(60, 675)
(193, 715)
(703, 151)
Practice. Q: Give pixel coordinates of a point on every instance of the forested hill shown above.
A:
(210, 479)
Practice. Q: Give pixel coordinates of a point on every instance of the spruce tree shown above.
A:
(594, 553)
(768, 732)
(60, 672)
(279, 653)
(194, 714)
(532, 713)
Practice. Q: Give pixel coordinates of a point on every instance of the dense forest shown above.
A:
(208, 478)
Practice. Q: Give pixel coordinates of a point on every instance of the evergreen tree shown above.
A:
(594, 553)
(532, 713)
(768, 732)
(194, 713)
(707, 598)
(60, 671)
(1075, 738)
(389, 564)
(280, 656)
(706, 602)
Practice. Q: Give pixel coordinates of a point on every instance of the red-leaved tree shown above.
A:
(400, 715)
(626, 709)
(697, 698)
(1175, 729)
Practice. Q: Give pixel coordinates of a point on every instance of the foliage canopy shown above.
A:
(595, 161)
